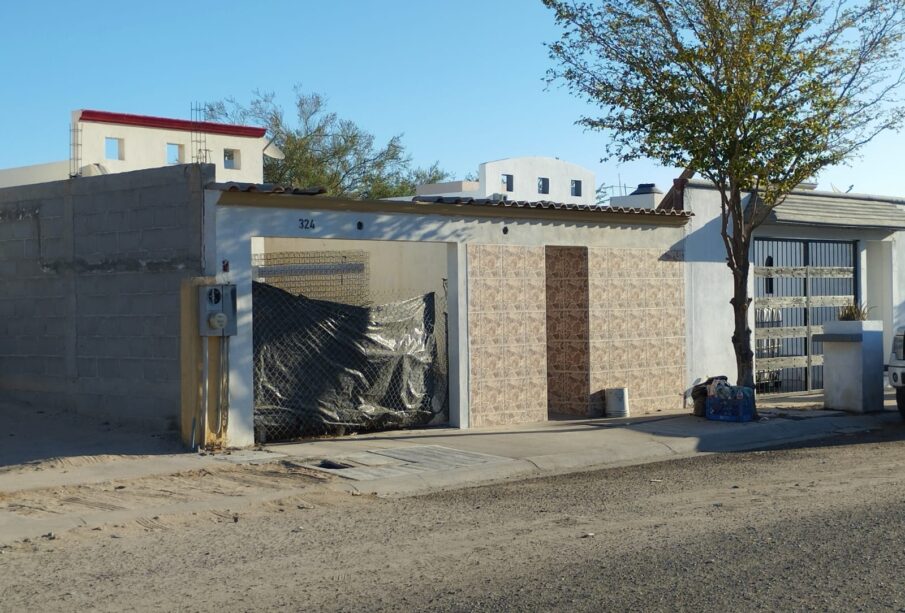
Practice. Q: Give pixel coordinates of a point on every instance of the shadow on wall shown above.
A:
(30, 434)
(703, 244)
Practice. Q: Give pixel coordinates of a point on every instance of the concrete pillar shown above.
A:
(459, 364)
(853, 365)
(240, 428)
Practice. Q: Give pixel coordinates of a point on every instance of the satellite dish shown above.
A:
(93, 170)
(272, 151)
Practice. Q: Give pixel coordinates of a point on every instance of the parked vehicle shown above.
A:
(896, 371)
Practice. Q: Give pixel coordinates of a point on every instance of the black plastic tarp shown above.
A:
(324, 367)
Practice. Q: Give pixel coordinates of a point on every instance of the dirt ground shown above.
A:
(814, 528)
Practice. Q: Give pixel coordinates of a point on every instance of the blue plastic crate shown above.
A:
(739, 407)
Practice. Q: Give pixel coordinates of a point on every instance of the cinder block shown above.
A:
(55, 249)
(95, 246)
(56, 326)
(165, 195)
(86, 367)
(84, 223)
(140, 219)
(120, 368)
(32, 249)
(161, 370)
(129, 243)
(49, 307)
(51, 206)
(11, 249)
(170, 216)
(91, 347)
(55, 367)
(169, 242)
(7, 268)
(26, 228)
(28, 268)
(7, 308)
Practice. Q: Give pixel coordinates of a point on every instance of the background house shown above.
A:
(523, 178)
(102, 142)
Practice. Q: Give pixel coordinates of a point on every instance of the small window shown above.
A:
(543, 185)
(507, 182)
(768, 282)
(113, 148)
(232, 159)
(175, 153)
(576, 187)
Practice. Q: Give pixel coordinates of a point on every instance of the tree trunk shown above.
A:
(741, 334)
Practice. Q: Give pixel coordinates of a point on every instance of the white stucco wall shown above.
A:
(37, 173)
(527, 170)
(708, 290)
(237, 226)
(147, 148)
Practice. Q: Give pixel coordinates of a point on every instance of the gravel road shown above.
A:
(816, 528)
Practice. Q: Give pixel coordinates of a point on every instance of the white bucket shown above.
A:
(616, 402)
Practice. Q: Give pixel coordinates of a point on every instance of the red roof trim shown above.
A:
(146, 121)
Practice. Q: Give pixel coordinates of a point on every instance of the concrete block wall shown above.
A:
(507, 334)
(91, 269)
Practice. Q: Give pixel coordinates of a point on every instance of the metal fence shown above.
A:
(329, 361)
(799, 285)
(340, 276)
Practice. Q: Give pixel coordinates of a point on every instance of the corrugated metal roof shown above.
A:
(546, 204)
(840, 210)
(266, 188)
(832, 209)
(270, 188)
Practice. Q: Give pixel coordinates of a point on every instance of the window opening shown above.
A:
(232, 159)
(175, 153)
(113, 148)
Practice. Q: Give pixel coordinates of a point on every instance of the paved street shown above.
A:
(820, 527)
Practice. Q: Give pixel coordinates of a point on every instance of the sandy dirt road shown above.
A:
(816, 528)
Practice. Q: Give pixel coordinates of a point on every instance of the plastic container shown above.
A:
(739, 406)
(616, 402)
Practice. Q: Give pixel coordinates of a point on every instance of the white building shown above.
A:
(102, 142)
(528, 179)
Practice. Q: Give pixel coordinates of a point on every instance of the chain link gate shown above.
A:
(799, 285)
(327, 360)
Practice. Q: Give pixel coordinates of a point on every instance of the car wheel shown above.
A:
(900, 400)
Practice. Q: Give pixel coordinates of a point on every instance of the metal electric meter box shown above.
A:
(217, 310)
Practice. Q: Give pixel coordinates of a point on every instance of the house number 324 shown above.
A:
(306, 223)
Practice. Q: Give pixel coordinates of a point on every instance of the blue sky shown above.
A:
(462, 80)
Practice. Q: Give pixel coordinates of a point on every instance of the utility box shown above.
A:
(217, 310)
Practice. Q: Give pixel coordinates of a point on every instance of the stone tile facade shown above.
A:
(507, 334)
(568, 350)
(637, 326)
